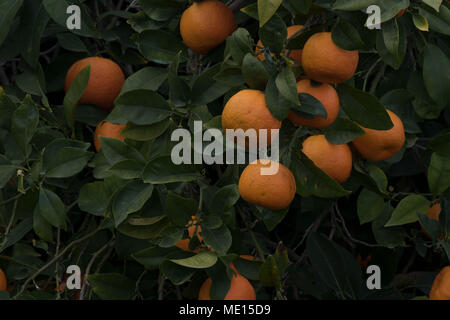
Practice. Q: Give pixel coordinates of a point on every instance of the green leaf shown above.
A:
(41, 227)
(408, 209)
(278, 106)
(144, 231)
(160, 46)
(202, 260)
(219, 239)
(225, 198)
(335, 265)
(435, 4)
(273, 34)
(342, 131)
(179, 209)
(369, 206)
(142, 107)
(75, 93)
(8, 10)
(71, 42)
(310, 107)
(7, 108)
(420, 22)
(441, 144)
(388, 8)
(127, 169)
(311, 180)
(206, 89)
(238, 45)
(431, 226)
(251, 10)
(287, 85)
(162, 170)
(116, 151)
(131, 198)
(175, 273)
(139, 79)
(24, 123)
(152, 257)
(94, 198)
(436, 74)
(17, 233)
(34, 21)
(393, 60)
(111, 286)
(440, 21)
(439, 173)
(346, 36)
(271, 218)
(387, 236)
(57, 9)
(391, 36)
(254, 72)
(146, 132)
(364, 108)
(64, 162)
(266, 9)
(52, 208)
(269, 274)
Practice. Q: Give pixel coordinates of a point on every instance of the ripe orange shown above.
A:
(401, 13)
(105, 82)
(440, 290)
(183, 244)
(334, 159)
(205, 25)
(378, 145)
(240, 289)
(3, 282)
(434, 211)
(295, 55)
(323, 61)
(327, 95)
(247, 109)
(108, 130)
(275, 192)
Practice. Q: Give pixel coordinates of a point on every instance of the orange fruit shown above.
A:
(327, 95)
(295, 55)
(440, 290)
(105, 82)
(3, 283)
(247, 257)
(401, 13)
(378, 145)
(205, 25)
(108, 130)
(183, 244)
(240, 289)
(323, 61)
(247, 109)
(334, 159)
(434, 211)
(275, 192)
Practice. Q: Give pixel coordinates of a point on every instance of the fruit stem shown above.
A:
(252, 235)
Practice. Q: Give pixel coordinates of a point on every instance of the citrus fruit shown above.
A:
(247, 109)
(108, 130)
(3, 283)
(434, 211)
(295, 55)
(206, 24)
(183, 244)
(105, 81)
(327, 95)
(240, 289)
(323, 61)
(400, 13)
(440, 290)
(378, 145)
(275, 191)
(334, 159)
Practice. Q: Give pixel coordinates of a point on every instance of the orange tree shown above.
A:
(142, 227)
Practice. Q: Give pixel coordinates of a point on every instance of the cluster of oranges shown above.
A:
(324, 63)
(105, 83)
